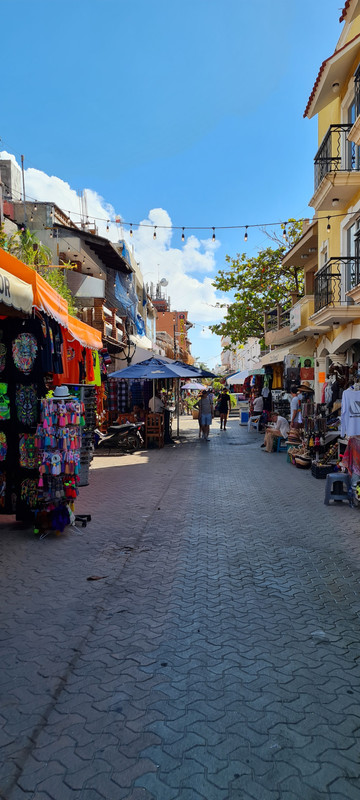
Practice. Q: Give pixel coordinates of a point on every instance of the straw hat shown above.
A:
(305, 387)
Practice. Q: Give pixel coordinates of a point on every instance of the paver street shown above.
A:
(218, 655)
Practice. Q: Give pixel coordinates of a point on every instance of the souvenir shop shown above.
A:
(49, 371)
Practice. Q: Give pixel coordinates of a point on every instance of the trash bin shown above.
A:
(243, 412)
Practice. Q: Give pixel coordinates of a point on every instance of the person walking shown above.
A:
(206, 413)
(224, 406)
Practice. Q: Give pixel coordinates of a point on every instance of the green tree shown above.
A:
(25, 245)
(257, 284)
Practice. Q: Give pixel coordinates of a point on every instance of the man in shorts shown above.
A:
(206, 413)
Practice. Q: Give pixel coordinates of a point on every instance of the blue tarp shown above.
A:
(126, 296)
(140, 325)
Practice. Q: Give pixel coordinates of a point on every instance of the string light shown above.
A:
(183, 235)
(107, 225)
(35, 207)
(246, 234)
(328, 227)
(284, 231)
(213, 236)
(131, 231)
(31, 218)
(154, 234)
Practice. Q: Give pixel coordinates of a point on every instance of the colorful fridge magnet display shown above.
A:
(24, 351)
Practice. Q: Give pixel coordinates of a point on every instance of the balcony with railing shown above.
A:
(339, 157)
(332, 285)
(277, 326)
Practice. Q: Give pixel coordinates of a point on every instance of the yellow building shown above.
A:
(335, 99)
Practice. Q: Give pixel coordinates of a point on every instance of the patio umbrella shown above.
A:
(153, 368)
(193, 386)
(201, 373)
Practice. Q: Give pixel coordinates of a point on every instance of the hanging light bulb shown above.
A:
(284, 231)
(154, 234)
(31, 218)
(246, 234)
(107, 225)
(183, 235)
(328, 227)
(51, 234)
(213, 236)
(131, 232)
(68, 248)
(35, 207)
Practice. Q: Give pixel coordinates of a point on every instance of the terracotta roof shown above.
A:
(345, 10)
(321, 70)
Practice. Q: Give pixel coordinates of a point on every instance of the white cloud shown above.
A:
(188, 267)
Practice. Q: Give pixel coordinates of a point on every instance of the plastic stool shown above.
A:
(281, 446)
(338, 494)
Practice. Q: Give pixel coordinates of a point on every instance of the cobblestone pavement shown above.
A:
(218, 655)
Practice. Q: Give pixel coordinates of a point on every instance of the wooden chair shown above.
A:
(154, 429)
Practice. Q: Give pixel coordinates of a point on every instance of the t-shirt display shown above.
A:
(350, 412)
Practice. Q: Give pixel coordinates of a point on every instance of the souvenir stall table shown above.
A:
(40, 435)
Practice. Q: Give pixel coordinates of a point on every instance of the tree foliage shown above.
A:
(257, 284)
(27, 248)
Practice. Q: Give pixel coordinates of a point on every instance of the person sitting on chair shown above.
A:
(156, 404)
(258, 407)
(280, 427)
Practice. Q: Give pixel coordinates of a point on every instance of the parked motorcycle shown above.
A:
(128, 437)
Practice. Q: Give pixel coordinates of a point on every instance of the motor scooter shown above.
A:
(128, 437)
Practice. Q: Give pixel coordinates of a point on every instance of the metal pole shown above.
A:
(23, 183)
(178, 407)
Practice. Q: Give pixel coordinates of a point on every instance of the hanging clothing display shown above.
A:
(350, 412)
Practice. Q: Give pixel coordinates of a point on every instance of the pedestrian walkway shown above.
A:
(216, 657)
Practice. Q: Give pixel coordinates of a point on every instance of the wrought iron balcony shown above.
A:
(338, 276)
(336, 153)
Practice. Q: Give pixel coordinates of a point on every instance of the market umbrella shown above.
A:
(201, 373)
(153, 368)
(193, 386)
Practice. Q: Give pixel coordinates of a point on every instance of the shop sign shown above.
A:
(295, 317)
(182, 329)
(15, 292)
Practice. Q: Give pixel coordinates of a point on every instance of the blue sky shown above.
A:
(192, 108)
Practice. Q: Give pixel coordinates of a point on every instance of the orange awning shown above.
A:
(46, 298)
(49, 301)
(85, 334)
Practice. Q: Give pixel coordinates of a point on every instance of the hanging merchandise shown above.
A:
(24, 352)
(3, 351)
(306, 368)
(3, 446)
(27, 451)
(291, 361)
(4, 402)
(26, 404)
(2, 489)
(350, 412)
